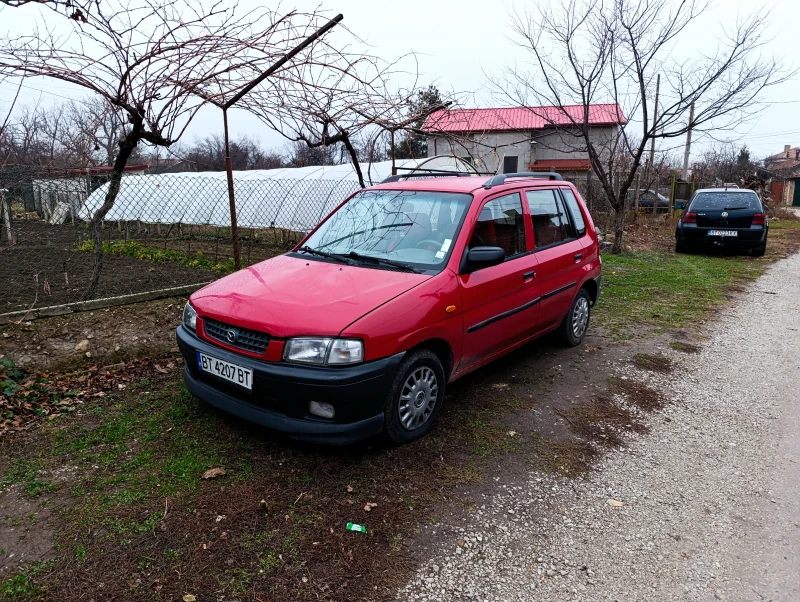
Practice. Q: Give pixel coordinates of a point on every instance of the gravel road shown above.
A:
(710, 498)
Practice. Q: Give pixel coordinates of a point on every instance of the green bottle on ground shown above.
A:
(355, 527)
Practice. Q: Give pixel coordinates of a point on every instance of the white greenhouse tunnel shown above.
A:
(292, 198)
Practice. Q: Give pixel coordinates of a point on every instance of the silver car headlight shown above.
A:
(189, 317)
(322, 351)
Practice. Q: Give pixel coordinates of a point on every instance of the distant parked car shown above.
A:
(404, 288)
(723, 217)
(647, 198)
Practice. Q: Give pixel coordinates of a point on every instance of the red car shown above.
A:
(404, 288)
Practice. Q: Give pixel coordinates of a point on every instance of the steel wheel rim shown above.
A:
(417, 398)
(580, 317)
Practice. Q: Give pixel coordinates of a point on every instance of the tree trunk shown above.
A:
(354, 157)
(619, 228)
(126, 147)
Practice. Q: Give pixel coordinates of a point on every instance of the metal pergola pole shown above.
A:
(237, 263)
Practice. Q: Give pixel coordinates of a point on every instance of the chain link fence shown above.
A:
(164, 231)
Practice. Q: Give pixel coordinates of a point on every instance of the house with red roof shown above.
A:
(785, 167)
(508, 140)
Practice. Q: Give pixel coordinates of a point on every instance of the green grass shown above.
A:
(136, 250)
(26, 472)
(22, 586)
(665, 290)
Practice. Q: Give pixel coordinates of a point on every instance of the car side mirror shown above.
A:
(484, 257)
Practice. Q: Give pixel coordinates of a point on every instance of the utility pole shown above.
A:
(688, 142)
(653, 146)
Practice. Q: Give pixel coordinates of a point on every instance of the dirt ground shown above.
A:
(101, 337)
(114, 489)
(516, 415)
(45, 265)
(35, 268)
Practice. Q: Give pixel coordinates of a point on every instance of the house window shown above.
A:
(510, 164)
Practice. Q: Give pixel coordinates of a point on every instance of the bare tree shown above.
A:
(585, 52)
(5, 115)
(156, 63)
(73, 9)
(340, 98)
(208, 154)
(725, 162)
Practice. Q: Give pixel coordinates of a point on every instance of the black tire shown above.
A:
(680, 247)
(573, 328)
(760, 250)
(417, 364)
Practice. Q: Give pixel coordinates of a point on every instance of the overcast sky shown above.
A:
(457, 42)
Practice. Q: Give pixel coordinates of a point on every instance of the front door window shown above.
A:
(501, 224)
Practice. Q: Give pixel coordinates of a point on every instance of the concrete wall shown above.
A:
(489, 148)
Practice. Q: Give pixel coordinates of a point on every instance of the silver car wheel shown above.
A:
(580, 317)
(418, 398)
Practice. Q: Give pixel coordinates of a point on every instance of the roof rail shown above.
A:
(501, 178)
(431, 173)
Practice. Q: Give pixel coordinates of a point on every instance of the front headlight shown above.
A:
(322, 351)
(189, 317)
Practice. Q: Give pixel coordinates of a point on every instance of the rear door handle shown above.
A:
(578, 256)
(528, 275)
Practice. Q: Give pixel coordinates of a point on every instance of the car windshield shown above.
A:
(720, 201)
(416, 228)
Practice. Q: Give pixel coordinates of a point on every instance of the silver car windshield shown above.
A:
(412, 227)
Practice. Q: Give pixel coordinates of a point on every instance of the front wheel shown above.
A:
(415, 399)
(576, 322)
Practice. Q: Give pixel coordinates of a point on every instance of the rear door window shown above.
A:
(548, 218)
(725, 201)
(574, 211)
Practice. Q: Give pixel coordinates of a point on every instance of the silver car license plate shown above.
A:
(238, 375)
(723, 233)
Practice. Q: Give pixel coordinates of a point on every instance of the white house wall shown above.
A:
(489, 148)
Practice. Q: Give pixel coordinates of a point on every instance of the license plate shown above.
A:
(238, 375)
(723, 233)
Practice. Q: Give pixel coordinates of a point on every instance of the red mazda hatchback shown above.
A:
(404, 288)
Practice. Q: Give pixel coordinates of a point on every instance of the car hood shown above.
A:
(290, 296)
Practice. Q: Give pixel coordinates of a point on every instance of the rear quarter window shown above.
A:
(575, 211)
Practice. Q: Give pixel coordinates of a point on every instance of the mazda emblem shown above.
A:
(232, 335)
(724, 214)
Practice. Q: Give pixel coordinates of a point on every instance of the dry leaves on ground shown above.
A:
(213, 473)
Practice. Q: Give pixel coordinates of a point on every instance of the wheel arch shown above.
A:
(441, 349)
(591, 287)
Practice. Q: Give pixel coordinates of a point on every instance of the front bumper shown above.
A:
(281, 393)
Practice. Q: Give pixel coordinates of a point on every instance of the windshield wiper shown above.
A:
(335, 256)
(734, 208)
(397, 264)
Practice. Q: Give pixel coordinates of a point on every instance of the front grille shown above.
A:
(243, 338)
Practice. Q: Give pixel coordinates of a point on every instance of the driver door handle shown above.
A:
(528, 275)
(578, 256)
